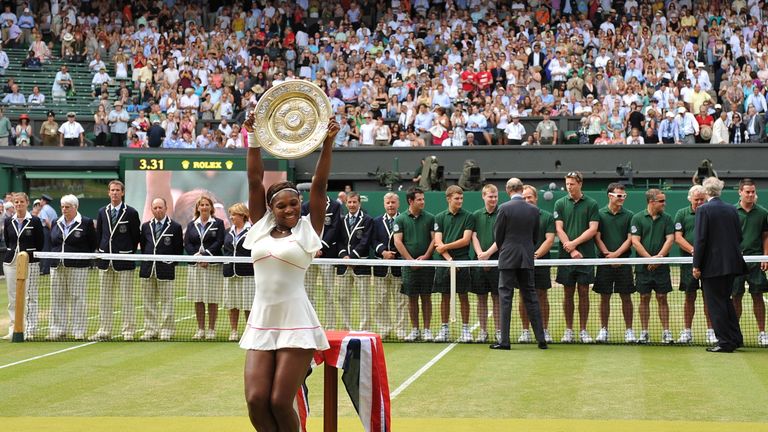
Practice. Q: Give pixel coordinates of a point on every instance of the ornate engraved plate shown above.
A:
(292, 118)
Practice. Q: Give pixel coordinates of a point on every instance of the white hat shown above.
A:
(681, 110)
(670, 114)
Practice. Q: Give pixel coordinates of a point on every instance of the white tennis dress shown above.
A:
(281, 315)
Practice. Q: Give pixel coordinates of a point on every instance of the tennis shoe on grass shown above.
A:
(567, 336)
(525, 336)
(711, 338)
(762, 339)
(199, 334)
(685, 337)
(233, 336)
(210, 334)
(482, 337)
(498, 336)
(466, 336)
(666, 337)
(148, 335)
(100, 335)
(165, 335)
(547, 336)
(629, 336)
(127, 336)
(602, 335)
(412, 336)
(8, 336)
(443, 334)
(644, 337)
(426, 336)
(585, 337)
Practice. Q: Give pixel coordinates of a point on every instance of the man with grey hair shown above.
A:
(72, 233)
(516, 231)
(717, 260)
(685, 220)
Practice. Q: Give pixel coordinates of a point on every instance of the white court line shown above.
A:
(425, 368)
(68, 349)
(46, 355)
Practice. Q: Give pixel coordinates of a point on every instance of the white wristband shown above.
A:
(252, 141)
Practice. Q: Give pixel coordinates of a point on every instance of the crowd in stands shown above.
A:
(411, 72)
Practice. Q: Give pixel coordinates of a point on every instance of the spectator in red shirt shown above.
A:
(484, 78)
(468, 80)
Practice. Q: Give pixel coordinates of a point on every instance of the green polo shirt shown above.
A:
(652, 232)
(685, 222)
(576, 216)
(753, 224)
(416, 230)
(614, 228)
(484, 223)
(452, 227)
(546, 226)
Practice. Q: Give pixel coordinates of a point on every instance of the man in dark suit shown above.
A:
(322, 294)
(718, 229)
(118, 229)
(517, 228)
(390, 305)
(159, 236)
(354, 242)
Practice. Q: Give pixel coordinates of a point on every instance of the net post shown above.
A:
(22, 272)
(330, 398)
(452, 272)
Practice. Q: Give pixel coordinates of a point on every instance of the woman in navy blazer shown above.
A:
(204, 237)
(239, 287)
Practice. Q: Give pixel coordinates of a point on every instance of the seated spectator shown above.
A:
(4, 61)
(100, 78)
(31, 62)
(14, 97)
(40, 50)
(36, 98)
(96, 65)
(635, 137)
(603, 139)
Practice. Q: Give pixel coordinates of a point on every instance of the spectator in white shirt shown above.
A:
(367, 135)
(36, 98)
(515, 131)
(101, 77)
(401, 140)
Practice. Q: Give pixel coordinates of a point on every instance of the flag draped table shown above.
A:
(361, 356)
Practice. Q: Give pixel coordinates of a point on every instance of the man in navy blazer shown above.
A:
(390, 306)
(118, 229)
(717, 260)
(516, 229)
(159, 236)
(354, 242)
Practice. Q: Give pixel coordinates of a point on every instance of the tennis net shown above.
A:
(448, 301)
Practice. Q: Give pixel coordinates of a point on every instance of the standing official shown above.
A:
(73, 233)
(23, 233)
(576, 219)
(322, 293)
(415, 240)
(517, 228)
(717, 260)
(204, 236)
(685, 220)
(388, 302)
(354, 242)
(239, 285)
(118, 229)
(754, 231)
(485, 280)
(159, 236)
(542, 276)
(48, 217)
(71, 133)
(653, 234)
(614, 241)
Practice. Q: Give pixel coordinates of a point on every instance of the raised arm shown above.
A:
(319, 189)
(257, 204)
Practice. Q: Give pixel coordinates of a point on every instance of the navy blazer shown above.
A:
(383, 241)
(516, 230)
(717, 240)
(81, 238)
(234, 248)
(122, 237)
(355, 242)
(170, 242)
(212, 237)
(330, 235)
(29, 239)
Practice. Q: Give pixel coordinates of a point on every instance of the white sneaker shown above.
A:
(78, 336)
(686, 337)
(498, 336)
(127, 336)
(443, 334)
(412, 336)
(54, 336)
(199, 334)
(602, 335)
(165, 335)
(466, 336)
(233, 336)
(148, 335)
(567, 336)
(711, 337)
(547, 336)
(210, 334)
(100, 335)
(525, 336)
(29, 337)
(401, 334)
(629, 336)
(644, 337)
(8, 336)
(482, 337)
(584, 336)
(762, 339)
(426, 336)
(666, 337)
